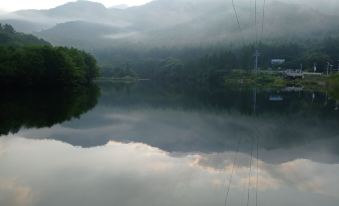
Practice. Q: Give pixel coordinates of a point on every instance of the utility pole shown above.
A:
(314, 67)
(327, 68)
(256, 55)
(254, 100)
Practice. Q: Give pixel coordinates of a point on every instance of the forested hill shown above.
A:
(26, 61)
(175, 23)
(9, 37)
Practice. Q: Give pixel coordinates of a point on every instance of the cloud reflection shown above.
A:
(282, 139)
(127, 174)
(13, 194)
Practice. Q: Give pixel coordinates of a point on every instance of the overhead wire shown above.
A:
(257, 135)
(236, 15)
(257, 178)
(257, 138)
(263, 20)
(249, 176)
(235, 11)
(232, 171)
(255, 23)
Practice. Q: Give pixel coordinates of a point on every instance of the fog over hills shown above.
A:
(86, 24)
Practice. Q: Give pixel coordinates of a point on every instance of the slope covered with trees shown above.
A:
(9, 37)
(204, 64)
(26, 61)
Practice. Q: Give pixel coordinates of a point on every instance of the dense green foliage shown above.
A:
(207, 63)
(39, 64)
(45, 66)
(9, 37)
(333, 83)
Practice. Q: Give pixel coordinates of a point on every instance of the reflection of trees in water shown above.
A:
(294, 120)
(32, 109)
(220, 98)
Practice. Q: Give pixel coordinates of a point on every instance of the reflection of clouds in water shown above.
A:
(126, 174)
(309, 176)
(302, 174)
(137, 174)
(223, 162)
(202, 131)
(13, 194)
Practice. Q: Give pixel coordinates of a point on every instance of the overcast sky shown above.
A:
(12, 5)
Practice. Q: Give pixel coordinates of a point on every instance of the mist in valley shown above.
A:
(173, 23)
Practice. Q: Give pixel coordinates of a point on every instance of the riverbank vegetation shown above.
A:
(215, 63)
(276, 80)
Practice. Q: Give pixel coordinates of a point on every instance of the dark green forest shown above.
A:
(26, 61)
(9, 37)
(205, 63)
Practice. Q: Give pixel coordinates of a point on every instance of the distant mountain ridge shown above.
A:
(88, 24)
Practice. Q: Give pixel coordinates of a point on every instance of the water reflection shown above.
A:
(46, 172)
(28, 109)
(151, 145)
(183, 121)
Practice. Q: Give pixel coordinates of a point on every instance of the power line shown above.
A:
(236, 15)
(255, 23)
(249, 176)
(257, 54)
(263, 20)
(232, 172)
(257, 180)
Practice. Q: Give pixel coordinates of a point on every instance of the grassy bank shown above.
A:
(276, 80)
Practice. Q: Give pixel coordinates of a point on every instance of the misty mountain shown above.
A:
(38, 20)
(79, 10)
(82, 34)
(26, 26)
(87, 24)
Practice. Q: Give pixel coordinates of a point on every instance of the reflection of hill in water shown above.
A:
(244, 101)
(44, 108)
(208, 120)
(190, 119)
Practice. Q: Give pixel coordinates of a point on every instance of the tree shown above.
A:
(8, 29)
(46, 66)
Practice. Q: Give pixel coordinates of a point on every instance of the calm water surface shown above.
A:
(144, 145)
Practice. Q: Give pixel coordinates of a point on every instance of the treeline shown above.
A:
(45, 66)
(9, 37)
(119, 72)
(207, 64)
(42, 65)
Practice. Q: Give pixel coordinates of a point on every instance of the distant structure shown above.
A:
(277, 62)
(293, 74)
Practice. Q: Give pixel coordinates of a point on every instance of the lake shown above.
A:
(148, 144)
